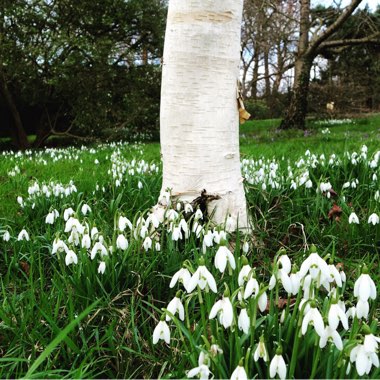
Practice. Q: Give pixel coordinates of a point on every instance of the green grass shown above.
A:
(64, 321)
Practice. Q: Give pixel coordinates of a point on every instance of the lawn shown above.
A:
(85, 268)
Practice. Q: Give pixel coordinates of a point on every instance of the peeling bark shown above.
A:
(199, 115)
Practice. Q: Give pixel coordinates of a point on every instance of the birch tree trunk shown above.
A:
(199, 118)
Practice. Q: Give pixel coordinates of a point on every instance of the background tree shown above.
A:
(78, 67)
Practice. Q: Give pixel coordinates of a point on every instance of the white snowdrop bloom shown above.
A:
(365, 288)
(374, 177)
(362, 309)
(277, 365)
(315, 265)
(371, 343)
(336, 315)
(140, 185)
(6, 236)
(201, 277)
(85, 209)
(185, 228)
(252, 287)
(164, 198)
(334, 275)
(117, 183)
(174, 306)
(346, 185)
(102, 267)
(208, 239)
(86, 241)
(98, 247)
(50, 218)
(147, 244)
(67, 213)
(313, 316)
(353, 218)
(158, 246)
(161, 331)
(183, 275)
(223, 255)
(152, 218)
(261, 351)
(94, 232)
(325, 187)
(296, 282)
(331, 334)
(73, 223)
(351, 312)
(23, 235)
(59, 246)
(96, 161)
(215, 350)
(198, 214)
(220, 237)
(202, 372)
(239, 373)
(123, 223)
(262, 302)
(224, 310)
(188, 208)
(243, 274)
(121, 242)
(272, 282)
(74, 237)
(244, 321)
(143, 231)
(20, 201)
(308, 184)
(363, 359)
(171, 215)
(71, 257)
(176, 234)
(245, 247)
(374, 219)
(284, 263)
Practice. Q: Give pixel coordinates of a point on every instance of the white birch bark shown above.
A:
(199, 121)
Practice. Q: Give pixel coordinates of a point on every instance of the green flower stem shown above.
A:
(316, 356)
(293, 317)
(294, 359)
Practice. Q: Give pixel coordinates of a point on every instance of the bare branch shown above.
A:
(373, 39)
(314, 44)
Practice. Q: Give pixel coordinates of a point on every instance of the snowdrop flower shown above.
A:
(371, 342)
(188, 208)
(176, 234)
(364, 287)
(335, 315)
(147, 243)
(313, 316)
(315, 265)
(158, 246)
(202, 371)
(222, 256)
(245, 247)
(174, 306)
(277, 365)
(374, 219)
(262, 302)
(261, 351)
(198, 214)
(351, 312)
(85, 209)
(94, 232)
(123, 223)
(353, 218)
(71, 257)
(363, 359)
(23, 235)
(6, 236)
(161, 331)
(50, 218)
(239, 373)
(98, 247)
(334, 275)
(220, 237)
(185, 228)
(243, 321)
(140, 185)
(183, 275)
(296, 282)
(244, 273)
(215, 350)
(152, 218)
(171, 215)
(362, 309)
(86, 241)
(59, 246)
(223, 308)
(121, 242)
(20, 201)
(331, 334)
(102, 267)
(67, 213)
(202, 277)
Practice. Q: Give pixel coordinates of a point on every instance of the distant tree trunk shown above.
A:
(267, 91)
(199, 116)
(296, 112)
(18, 134)
(255, 74)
